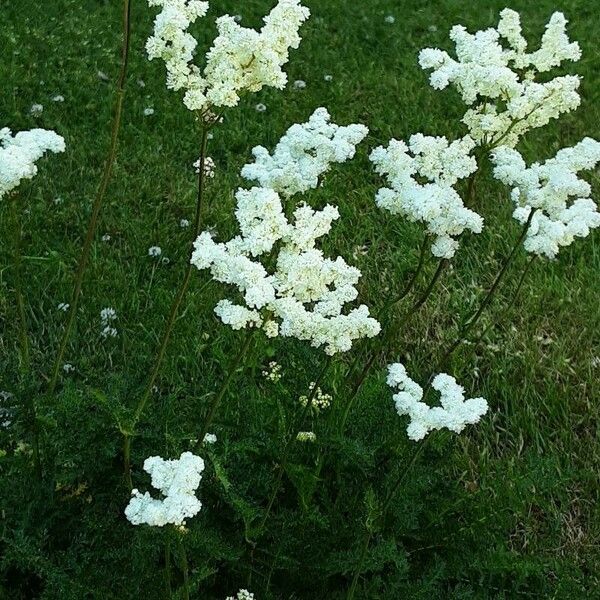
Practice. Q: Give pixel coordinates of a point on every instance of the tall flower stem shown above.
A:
(98, 200)
(291, 438)
(214, 405)
(470, 323)
(184, 569)
(24, 353)
(384, 508)
(174, 311)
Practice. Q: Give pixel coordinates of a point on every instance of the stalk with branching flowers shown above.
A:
(98, 200)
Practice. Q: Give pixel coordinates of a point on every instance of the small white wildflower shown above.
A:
(241, 595)
(36, 110)
(58, 98)
(299, 84)
(328, 78)
(390, 19)
(68, 368)
(108, 314)
(109, 331)
(260, 107)
(184, 223)
(165, 260)
(106, 237)
(64, 306)
(154, 251)
(306, 436)
(320, 401)
(237, 18)
(273, 372)
(58, 201)
(209, 167)
(148, 112)
(210, 438)
(141, 83)
(102, 76)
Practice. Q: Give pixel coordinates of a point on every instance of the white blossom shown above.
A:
(241, 595)
(209, 167)
(260, 107)
(498, 80)
(240, 60)
(183, 223)
(36, 110)
(19, 153)
(306, 436)
(306, 293)
(177, 481)
(436, 203)
(304, 154)
(210, 438)
(154, 251)
(564, 209)
(454, 412)
(148, 112)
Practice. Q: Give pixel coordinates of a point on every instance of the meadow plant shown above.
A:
(286, 286)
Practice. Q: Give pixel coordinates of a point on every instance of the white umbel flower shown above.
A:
(304, 154)
(436, 204)
(454, 412)
(19, 153)
(177, 481)
(564, 209)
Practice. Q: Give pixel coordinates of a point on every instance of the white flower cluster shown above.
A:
(240, 59)
(107, 317)
(305, 295)
(549, 188)
(177, 480)
(273, 372)
(306, 436)
(19, 153)
(303, 154)
(437, 204)
(241, 595)
(320, 402)
(455, 413)
(498, 80)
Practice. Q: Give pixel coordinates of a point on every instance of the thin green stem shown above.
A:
(466, 328)
(172, 317)
(214, 405)
(184, 569)
(98, 200)
(24, 352)
(384, 509)
(168, 589)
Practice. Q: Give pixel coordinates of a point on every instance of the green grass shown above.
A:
(509, 509)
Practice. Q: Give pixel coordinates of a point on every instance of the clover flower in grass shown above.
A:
(436, 203)
(19, 153)
(304, 154)
(177, 481)
(454, 412)
(496, 77)
(305, 294)
(240, 60)
(564, 209)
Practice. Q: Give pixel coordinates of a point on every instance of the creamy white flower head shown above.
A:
(304, 154)
(436, 204)
(564, 209)
(19, 153)
(240, 60)
(498, 79)
(177, 481)
(306, 293)
(454, 412)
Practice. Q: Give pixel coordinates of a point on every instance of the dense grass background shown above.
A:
(508, 509)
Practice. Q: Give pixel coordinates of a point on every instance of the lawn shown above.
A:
(508, 509)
